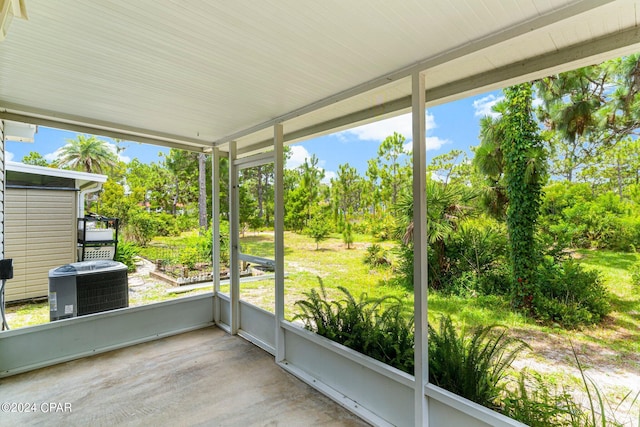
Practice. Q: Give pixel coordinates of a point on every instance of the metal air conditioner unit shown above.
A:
(87, 287)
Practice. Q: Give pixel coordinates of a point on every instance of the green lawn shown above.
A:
(306, 267)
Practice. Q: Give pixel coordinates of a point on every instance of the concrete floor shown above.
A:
(202, 378)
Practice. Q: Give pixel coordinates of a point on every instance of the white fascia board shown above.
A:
(62, 173)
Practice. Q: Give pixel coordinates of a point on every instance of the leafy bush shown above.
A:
(204, 244)
(224, 242)
(126, 253)
(319, 228)
(477, 243)
(377, 328)
(142, 226)
(382, 228)
(474, 366)
(166, 224)
(185, 222)
(360, 227)
(189, 256)
(404, 266)
(476, 255)
(569, 295)
(574, 216)
(376, 256)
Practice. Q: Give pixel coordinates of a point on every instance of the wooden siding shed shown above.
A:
(41, 211)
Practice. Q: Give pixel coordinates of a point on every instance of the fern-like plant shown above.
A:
(472, 366)
(378, 328)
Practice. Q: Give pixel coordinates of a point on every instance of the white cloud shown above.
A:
(328, 176)
(114, 150)
(298, 156)
(483, 106)
(378, 131)
(125, 159)
(8, 156)
(52, 156)
(433, 143)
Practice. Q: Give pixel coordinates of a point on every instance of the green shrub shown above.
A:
(378, 328)
(376, 256)
(347, 235)
(404, 267)
(496, 280)
(474, 366)
(185, 222)
(188, 257)
(476, 255)
(142, 226)
(569, 295)
(604, 222)
(381, 228)
(360, 227)
(166, 224)
(476, 244)
(318, 228)
(204, 244)
(126, 253)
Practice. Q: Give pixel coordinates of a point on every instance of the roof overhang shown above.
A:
(197, 75)
(81, 178)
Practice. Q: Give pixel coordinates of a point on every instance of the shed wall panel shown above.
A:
(41, 235)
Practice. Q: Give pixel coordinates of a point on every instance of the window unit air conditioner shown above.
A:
(87, 287)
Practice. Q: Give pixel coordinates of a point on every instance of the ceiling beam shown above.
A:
(569, 58)
(377, 112)
(111, 130)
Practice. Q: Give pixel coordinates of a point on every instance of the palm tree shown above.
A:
(447, 206)
(87, 154)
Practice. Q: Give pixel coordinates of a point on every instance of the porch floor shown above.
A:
(205, 377)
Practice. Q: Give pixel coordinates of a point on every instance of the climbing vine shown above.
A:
(524, 174)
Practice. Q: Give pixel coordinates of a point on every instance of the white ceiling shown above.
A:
(194, 74)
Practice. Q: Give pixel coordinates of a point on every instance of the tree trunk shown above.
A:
(619, 173)
(202, 187)
(260, 193)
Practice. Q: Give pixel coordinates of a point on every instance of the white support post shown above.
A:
(215, 231)
(2, 187)
(278, 143)
(234, 240)
(420, 247)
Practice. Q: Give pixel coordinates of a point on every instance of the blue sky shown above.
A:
(450, 126)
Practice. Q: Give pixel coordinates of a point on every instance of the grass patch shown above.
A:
(27, 314)
(621, 330)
